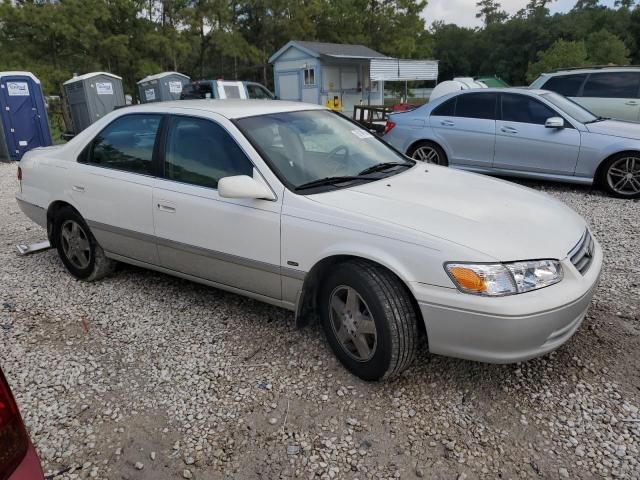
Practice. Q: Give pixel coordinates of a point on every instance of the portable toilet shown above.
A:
(455, 85)
(91, 96)
(162, 87)
(23, 119)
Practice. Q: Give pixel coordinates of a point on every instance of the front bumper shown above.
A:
(512, 328)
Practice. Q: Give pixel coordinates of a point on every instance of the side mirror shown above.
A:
(554, 122)
(243, 186)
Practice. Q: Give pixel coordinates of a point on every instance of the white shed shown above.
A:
(314, 72)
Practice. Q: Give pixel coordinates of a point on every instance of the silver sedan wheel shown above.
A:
(623, 176)
(352, 323)
(75, 244)
(426, 154)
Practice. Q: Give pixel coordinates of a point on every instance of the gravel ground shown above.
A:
(145, 376)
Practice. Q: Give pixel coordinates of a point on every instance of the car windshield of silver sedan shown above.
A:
(571, 108)
(314, 149)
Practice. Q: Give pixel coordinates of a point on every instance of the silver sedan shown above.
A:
(522, 133)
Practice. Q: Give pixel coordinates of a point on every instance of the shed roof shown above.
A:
(157, 76)
(19, 74)
(338, 50)
(90, 75)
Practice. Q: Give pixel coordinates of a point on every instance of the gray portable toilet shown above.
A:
(162, 87)
(91, 96)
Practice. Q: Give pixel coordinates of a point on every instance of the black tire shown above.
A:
(608, 182)
(393, 314)
(97, 264)
(426, 144)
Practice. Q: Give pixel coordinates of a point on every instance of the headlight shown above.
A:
(494, 280)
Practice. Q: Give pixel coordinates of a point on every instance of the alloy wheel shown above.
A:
(623, 176)
(75, 244)
(352, 323)
(426, 154)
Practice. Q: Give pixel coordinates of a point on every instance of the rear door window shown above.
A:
(126, 144)
(229, 89)
(200, 152)
(567, 85)
(612, 85)
(476, 105)
(232, 91)
(524, 109)
(447, 109)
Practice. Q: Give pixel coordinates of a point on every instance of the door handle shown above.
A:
(78, 188)
(447, 123)
(508, 130)
(631, 102)
(166, 208)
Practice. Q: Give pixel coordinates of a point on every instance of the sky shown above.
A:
(463, 12)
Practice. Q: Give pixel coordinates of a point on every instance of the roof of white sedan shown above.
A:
(229, 108)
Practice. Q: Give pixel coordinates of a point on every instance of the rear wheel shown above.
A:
(428, 152)
(369, 320)
(78, 248)
(620, 175)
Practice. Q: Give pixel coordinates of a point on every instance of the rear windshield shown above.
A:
(197, 90)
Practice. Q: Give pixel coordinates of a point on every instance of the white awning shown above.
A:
(395, 69)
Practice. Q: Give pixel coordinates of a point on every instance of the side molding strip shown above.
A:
(205, 252)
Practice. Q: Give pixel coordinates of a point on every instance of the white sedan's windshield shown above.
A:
(570, 107)
(312, 145)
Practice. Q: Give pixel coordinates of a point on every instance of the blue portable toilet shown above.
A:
(23, 115)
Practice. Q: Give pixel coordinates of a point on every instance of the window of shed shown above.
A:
(309, 76)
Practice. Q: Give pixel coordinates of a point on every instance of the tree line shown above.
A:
(234, 39)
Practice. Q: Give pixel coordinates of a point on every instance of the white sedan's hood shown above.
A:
(616, 128)
(500, 219)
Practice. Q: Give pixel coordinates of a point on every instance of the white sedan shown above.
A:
(299, 207)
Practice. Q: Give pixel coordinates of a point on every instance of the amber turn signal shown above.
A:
(468, 279)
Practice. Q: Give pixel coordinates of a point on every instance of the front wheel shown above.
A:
(620, 175)
(369, 320)
(78, 248)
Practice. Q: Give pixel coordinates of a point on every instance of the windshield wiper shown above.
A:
(384, 166)
(597, 119)
(332, 181)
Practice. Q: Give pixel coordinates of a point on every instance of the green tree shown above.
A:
(561, 54)
(454, 47)
(490, 11)
(389, 26)
(586, 4)
(626, 4)
(234, 39)
(535, 7)
(604, 47)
